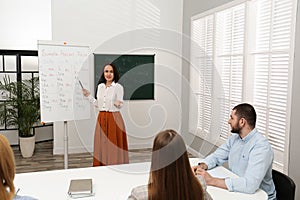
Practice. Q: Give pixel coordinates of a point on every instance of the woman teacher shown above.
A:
(110, 140)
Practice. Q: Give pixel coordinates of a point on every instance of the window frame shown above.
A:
(248, 71)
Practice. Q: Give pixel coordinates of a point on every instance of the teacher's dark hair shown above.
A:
(102, 78)
(116, 74)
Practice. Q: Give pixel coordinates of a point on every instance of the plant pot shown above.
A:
(27, 145)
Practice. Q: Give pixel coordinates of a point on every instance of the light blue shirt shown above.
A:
(18, 197)
(250, 158)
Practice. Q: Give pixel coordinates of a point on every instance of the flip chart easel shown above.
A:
(66, 147)
(61, 65)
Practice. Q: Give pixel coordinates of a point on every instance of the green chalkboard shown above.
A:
(136, 73)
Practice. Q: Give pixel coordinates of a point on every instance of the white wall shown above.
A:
(126, 26)
(294, 151)
(22, 24)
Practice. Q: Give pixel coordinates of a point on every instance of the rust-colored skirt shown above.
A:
(110, 140)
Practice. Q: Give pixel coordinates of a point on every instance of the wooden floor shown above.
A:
(43, 158)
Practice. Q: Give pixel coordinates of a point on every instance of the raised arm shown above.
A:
(85, 92)
(119, 90)
(91, 99)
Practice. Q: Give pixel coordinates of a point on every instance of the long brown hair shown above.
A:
(7, 170)
(171, 176)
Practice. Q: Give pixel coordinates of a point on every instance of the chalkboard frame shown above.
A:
(141, 66)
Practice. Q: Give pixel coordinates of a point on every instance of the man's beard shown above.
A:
(236, 130)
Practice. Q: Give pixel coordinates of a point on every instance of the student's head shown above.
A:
(171, 176)
(168, 148)
(110, 73)
(241, 112)
(7, 170)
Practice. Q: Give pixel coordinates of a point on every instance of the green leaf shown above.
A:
(22, 107)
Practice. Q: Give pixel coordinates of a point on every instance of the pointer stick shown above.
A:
(80, 84)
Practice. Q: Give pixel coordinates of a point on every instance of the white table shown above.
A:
(109, 182)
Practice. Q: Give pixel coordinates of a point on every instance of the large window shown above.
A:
(241, 52)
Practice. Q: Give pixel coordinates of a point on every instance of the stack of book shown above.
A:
(81, 188)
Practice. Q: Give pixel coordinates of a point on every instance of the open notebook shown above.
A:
(81, 188)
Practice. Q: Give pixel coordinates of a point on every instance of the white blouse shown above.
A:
(107, 96)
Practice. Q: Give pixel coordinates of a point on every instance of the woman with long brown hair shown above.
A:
(110, 139)
(7, 170)
(171, 176)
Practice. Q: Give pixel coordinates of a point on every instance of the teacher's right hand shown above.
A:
(85, 92)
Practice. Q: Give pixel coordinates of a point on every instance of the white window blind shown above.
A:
(230, 30)
(250, 45)
(202, 37)
(272, 64)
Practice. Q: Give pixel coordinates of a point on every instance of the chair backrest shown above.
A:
(284, 185)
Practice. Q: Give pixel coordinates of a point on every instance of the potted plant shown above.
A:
(21, 109)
